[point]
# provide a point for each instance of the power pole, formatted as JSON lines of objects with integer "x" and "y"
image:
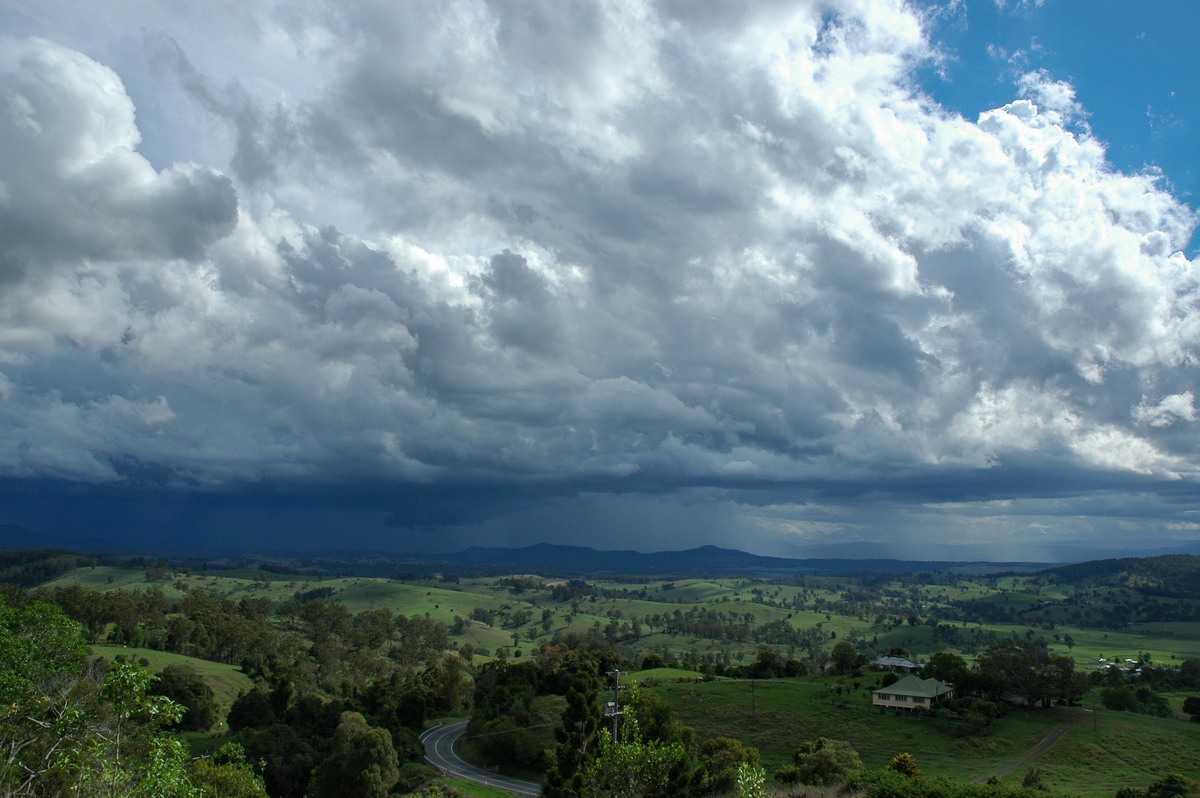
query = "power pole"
{"x": 613, "y": 708}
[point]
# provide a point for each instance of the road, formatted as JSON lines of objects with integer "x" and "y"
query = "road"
{"x": 439, "y": 752}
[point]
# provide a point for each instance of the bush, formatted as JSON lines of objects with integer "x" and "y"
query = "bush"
{"x": 183, "y": 685}
{"x": 825, "y": 762}
{"x": 989, "y": 709}
{"x": 906, "y": 764}
{"x": 413, "y": 777}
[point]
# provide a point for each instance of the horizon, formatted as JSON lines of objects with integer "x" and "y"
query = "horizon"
{"x": 900, "y": 277}
{"x": 29, "y": 540}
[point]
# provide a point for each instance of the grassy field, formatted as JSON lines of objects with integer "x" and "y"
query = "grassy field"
{"x": 226, "y": 681}
{"x": 777, "y": 715}
{"x": 1121, "y": 749}
{"x": 1097, "y": 756}
{"x": 809, "y": 602}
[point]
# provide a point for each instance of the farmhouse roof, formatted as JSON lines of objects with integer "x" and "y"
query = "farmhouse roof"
{"x": 915, "y": 685}
{"x": 895, "y": 662}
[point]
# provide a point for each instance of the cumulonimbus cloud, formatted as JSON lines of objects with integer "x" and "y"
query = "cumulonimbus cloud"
{"x": 644, "y": 241}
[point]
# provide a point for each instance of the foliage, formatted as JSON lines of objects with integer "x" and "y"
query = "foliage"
{"x": 1143, "y": 699}
{"x": 119, "y": 748}
{"x": 67, "y": 730}
{"x": 825, "y": 762}
{"x": 948, "y": 667}
{"x": 751, "y": 781}
{"x": 633, "y": 768}
{"x": 905, "y": 764}
{"x": 891, "y": 784}
{"x": 1027, "y": 672}
{"x": 226, "y": 774}
{"x": 1034, "y": 779}
{"x": 313, "y": 658}
{"x": 721, "y": 759}
{"x": 362, "y": 762}
{"x": 845, "y": 658}
{"x": 1170, "y": 786}
{"x": 183, "y": 685}
{"x": 577, "y": 740}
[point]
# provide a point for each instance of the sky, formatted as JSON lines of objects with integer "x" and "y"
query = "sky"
{"x": 848, "y": 278}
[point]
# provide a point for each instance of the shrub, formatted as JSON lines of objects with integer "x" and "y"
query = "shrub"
{"x": 906, "y": 764}
{"x": 825, "y": 762}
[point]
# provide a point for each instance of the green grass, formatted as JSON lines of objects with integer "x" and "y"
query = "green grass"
{"x": 1168, "y": 643}
{"x": 1121, "y": 750}
{"x": 473, "y": 789}
{"x": 226, "y": 681}
{"x": 777, "y": 715}
{"x": 661, "y": 675}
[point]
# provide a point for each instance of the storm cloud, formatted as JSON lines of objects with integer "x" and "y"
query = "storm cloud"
{"x": 533, "y": 270}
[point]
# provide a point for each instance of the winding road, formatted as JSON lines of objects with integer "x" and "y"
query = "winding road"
{"x": 439, "y": 752}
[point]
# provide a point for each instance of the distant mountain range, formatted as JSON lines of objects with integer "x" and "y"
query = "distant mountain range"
{"x": 705, "y": 561}
{"x": 561, "y": 559}
{"x": 702, "y": 561}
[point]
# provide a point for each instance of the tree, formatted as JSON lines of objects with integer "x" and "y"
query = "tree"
{"x": 227, "y": 774}
{"x": 633, "y": 768}
{"x": 948, "y": 667}
{"x": 183, "y": 685}
{"x": 1028, "y": 673}
{"x": 120, "y": 749}
{"x": 1119, "y": 698}
{"x": 845, "y": 658}
{"x": 720, "y": 758}
{"x": 576, "y": 740}
{"x": 362, "y": 762}
{"x": 41, "y": 665}
{"x": 825, "y": 762}
{"x": 252, "y": 710}
{"x": 766, "y": 665}
{"x": 1191, "y": 706}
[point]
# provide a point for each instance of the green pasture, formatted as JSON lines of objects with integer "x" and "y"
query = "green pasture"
{"x": 1167, "y": 642}
{"x": 102, "y": 577}
{"x": 778, "y": 715}
{"x": 1119, "y": 749}
{"x": 226, "y": 681}
{"x": 660, "y": 675}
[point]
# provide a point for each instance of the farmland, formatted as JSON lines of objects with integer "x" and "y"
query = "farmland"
{"x": 700, "y": 646}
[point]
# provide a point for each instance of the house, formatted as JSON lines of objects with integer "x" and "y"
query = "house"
{"x": 912, "y": 692}
{"x": 895, "y": 665}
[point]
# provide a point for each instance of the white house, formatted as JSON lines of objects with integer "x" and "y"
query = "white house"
{"x": 912, "y": 692}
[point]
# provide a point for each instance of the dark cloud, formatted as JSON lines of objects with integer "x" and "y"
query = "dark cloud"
{"x": 535, "y": 269}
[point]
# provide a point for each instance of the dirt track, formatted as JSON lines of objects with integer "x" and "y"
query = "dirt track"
{"x": 1033, "y": 752}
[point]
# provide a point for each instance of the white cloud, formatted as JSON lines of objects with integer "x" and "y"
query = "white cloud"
{"x": 637, "y": 241}
{"x": 1166, "y": 411}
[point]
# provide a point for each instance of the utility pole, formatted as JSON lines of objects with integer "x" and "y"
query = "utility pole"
{"x": 613, "y": 708}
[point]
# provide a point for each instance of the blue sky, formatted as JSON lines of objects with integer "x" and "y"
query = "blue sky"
{"x": 1130, "y": 64}
{"x": 854, "y": 277}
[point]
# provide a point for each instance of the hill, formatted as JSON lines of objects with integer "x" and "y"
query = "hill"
{"x": 1168, "y": 575}
{"x": 549, "y": 558}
